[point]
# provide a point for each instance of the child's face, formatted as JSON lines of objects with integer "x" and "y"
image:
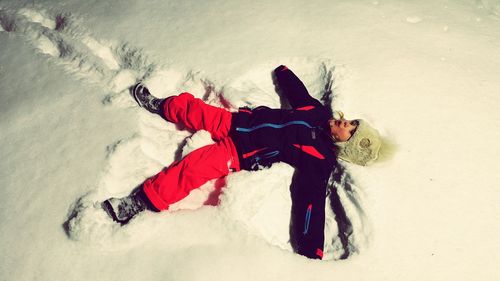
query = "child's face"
{"x": 342, "y": 129}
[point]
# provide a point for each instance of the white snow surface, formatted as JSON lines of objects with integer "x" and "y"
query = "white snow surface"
{"x": 425, "y": 73}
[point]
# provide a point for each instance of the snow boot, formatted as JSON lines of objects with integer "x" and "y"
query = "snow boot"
{"x": 122, "y": 210}
{"x": 144, "y": 98}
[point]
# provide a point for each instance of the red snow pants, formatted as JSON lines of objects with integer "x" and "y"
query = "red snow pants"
{"x": 201, "y": 165}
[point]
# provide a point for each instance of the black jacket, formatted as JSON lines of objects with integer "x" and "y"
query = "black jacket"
{"x": 300, "y": 137}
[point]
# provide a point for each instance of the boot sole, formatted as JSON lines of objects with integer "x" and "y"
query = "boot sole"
{"x": 137, "y": 88}
{"x": 111, "y": 213}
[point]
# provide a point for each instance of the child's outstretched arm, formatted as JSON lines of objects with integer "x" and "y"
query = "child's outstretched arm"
{"x": 308, "y": 210}
{"x": 293, "y": 89}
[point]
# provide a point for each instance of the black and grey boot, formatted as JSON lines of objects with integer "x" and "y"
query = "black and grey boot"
{"x": 144, "y": 98}
{"x": 122, "y": 210}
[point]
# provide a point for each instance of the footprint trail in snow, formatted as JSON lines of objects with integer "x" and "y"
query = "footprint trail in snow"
{"x": 114, "y": 67}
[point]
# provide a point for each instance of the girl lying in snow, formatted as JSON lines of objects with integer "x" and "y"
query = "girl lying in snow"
{"x": 306, "y": 137}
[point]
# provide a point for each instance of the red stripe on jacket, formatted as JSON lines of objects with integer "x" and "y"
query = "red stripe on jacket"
{"x": 305, "y": 108}
{"x": 311, "y": 150}
{"x": 248, "y": 154}
{"x": 319, "y": 253}
{"x": 245, "y": 110}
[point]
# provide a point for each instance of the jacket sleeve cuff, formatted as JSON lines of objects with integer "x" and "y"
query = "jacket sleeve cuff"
{"x": 281, "y": 68}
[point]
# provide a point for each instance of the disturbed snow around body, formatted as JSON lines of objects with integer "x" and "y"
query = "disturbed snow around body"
{"x": 424, "y": 73}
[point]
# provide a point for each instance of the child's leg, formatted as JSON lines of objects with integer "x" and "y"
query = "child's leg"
{"x": 176, "y": 181}
{"x": 195, "y": 114}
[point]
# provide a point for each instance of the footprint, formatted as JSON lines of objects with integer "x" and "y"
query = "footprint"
{"x": 79, "y": 51}
{"x": 101, "y": 51}
{"x": 116, "y": 67}
{"x": 46, "y": 46}
{"x": 135, "y": 59}
{"x": 36, "y": 16}
{"x": 7, "y": 21}
{"x": 123, "y": 80}
{"x": 62, "y": 21}
{"x": 67, "y": 51}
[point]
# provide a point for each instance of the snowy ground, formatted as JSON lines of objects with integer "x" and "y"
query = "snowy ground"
{"x": 425, "y": 73}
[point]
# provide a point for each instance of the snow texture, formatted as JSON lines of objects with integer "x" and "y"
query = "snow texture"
{"x": 425, "y": 74}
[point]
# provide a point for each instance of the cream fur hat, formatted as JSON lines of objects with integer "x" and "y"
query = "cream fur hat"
{"x": 363, "y": 147}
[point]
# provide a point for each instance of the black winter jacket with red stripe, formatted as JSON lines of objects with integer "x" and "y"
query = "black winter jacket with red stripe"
{"x": 300, "y": 137}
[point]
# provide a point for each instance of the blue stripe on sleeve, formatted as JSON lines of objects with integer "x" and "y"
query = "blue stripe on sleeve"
{"x": 274, "y": 126}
